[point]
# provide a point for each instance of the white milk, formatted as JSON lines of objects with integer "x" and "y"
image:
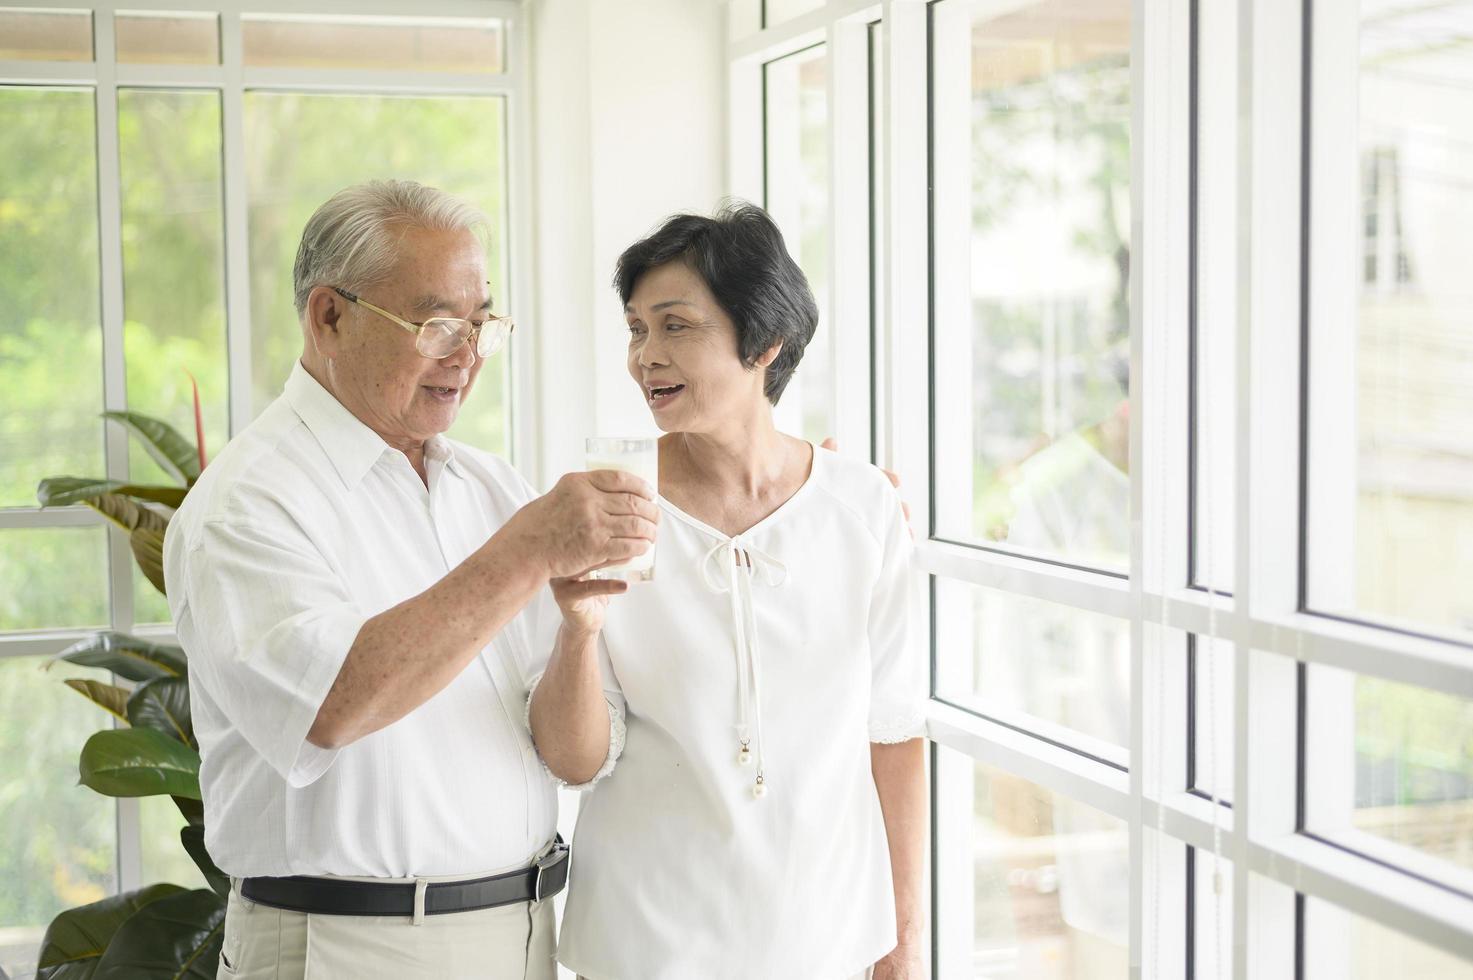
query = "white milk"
{"x": 628, "y": 456}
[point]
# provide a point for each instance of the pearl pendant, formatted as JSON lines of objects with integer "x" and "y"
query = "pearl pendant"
{"x": 744, "y": 757}
{"x": 759, "y": 788}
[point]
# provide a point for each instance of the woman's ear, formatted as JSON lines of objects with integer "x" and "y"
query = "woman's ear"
{"x": 769, "y": 355}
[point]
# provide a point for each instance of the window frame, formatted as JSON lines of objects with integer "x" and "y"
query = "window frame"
{"x": 1258, "y": 618}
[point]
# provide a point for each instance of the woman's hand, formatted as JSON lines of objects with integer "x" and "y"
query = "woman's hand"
{"x": 584, "y": 601}
{"x": 904, "y": 962}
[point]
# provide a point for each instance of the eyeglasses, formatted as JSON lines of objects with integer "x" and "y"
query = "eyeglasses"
{"x": 442, "y": 336}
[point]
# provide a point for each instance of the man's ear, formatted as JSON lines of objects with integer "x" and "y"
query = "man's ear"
{"x": 325, "y": 311}
{"x": 769, "y": 355}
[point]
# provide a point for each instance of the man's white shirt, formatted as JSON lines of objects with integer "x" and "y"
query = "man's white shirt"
{"x": 307, "y": 525}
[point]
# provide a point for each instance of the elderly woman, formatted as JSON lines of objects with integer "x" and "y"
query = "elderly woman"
{"x": 766, "y": 818}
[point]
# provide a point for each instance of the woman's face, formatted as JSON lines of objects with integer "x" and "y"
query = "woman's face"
{"x": 683, "y": 352}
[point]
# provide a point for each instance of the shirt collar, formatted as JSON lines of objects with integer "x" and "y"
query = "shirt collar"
{"x": 353, "y": 447}
{"x": 438, "y": 448}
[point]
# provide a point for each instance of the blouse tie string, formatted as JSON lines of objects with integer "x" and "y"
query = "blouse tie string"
{"x": 742, "y": 565}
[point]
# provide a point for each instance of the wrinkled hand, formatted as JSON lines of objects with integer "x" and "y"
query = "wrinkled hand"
{"x": 833, "y": 444}
{"x": 586, "y": 522}
{"x": 585, "y": 601}
{"x": 902, "y": 963}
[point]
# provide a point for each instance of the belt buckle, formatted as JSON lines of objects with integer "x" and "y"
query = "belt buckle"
{"x": 558, "y": 852}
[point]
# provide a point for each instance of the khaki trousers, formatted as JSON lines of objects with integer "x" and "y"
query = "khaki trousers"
{"x": 511, "y": 942}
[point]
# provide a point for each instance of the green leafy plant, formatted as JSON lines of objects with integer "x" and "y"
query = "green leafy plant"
{"x": 161, "y": 930}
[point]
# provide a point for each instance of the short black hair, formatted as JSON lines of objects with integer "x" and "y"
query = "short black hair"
{"x": 740, "y": 254}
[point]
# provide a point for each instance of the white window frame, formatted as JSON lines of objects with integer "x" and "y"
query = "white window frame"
{"x": 1260, "y": 625}
{"x": 232, "y": 79}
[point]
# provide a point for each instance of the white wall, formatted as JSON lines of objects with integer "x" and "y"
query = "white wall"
{"x": 628, "y": 117}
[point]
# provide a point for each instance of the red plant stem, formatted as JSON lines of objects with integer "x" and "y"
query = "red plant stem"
{"x": 199, "y": 423}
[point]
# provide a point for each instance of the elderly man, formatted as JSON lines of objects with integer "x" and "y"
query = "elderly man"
{"x": 363, "y": 603}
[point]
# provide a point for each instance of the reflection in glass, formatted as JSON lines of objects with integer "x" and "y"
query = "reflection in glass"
{"x": 1007, "y": 655}
{"x": 466, "y": 45}
{"x": 1339, "y": 945}
{"x": 1392, "y": 462}
{"x": 174, "y": 38}
{"x": 797, "y": 180}
{"x": 1052, "y": 884}
{"x": 60, "y": 846}
{"x": 50, "y": 319}
{"x": 1031, "y": 157}
{"x": 295, "y": 162}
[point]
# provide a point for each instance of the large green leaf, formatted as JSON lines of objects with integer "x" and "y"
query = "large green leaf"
{"x": 176, "y": 937}
{"x": 163, "y": 442}
{"x": 127, "y": 656}
{"x": 193, "y": 839}
{"x": 163, "y": 705}
{"x": 58, "y": 491}
{"x": 109, "y": 697}
{"x": 139, "y": 762}
{"x": 126, "y": 513}
{"x": 76, "y": 938}
{"x": 148, "y": 551}
{"x": 193, "y": 810}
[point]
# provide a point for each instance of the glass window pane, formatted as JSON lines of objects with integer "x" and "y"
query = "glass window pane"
{"x": 797, "y": 181}
{"x": 50, "y": 321}
{"x": 173, "y": 264}
{"x": 164, "y": 858}
{"x": 1053, "y": 670}
{"x": 1212, "y": 681}
{"x": 1214, "y": 313}
{"x": 1031, "y": 164}
{"x": 53, "y": 578}
{"x": 472, "y": 45}
{"x": 150, "y": 608}
{"x": 27, "y": 34}
{"x": 175, "y": 38}
{"x": 1339, "y": 945}
{"x": 60, "y": 848}
{"x": 1391, "y": 442}
{"x": 775, "y": 12}
{"x": 1052, "y": 884}
{"x": 295, "y": 162}
{"x": 1403, "y": 771}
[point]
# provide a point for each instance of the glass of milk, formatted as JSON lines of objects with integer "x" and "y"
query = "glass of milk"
{"x": 642, "y": 458}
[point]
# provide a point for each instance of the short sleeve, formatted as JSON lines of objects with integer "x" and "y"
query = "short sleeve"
{"x": 272, "y": 625}
{"x": 898, "y": 668}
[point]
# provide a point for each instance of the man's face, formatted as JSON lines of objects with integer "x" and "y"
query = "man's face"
{"x": 377, "y": 372}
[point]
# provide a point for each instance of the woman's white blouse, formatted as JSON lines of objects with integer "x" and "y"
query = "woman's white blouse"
{"x": 795, "y": 638}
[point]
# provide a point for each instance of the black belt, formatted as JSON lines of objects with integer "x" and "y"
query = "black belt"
{"x": 334, "y": 896}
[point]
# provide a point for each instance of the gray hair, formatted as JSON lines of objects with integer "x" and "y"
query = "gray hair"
{"x": 349, "y": 241}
